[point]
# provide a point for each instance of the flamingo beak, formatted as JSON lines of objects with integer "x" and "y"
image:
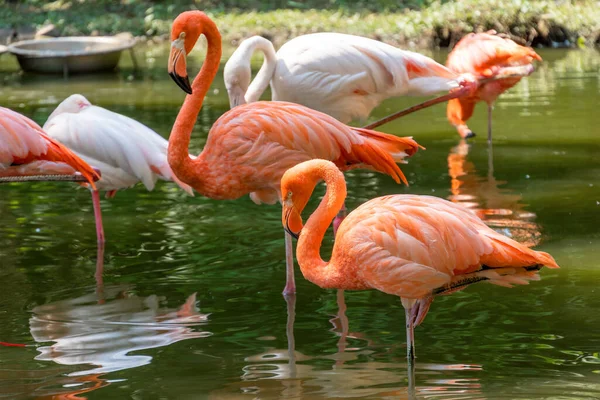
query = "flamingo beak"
{"x": 177, "y": 65}
{"x": 236, "y": 96}
{"x": 287, "y": 212}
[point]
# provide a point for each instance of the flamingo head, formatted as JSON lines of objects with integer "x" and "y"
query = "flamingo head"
{"x": 297, "y": 185}
{"x": 185, "y": 32}
{"x": 237, "y": 76}
{"x": 72, "y": 104}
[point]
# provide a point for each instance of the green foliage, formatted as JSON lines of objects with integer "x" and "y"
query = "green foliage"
{"x": 422, "y": 22}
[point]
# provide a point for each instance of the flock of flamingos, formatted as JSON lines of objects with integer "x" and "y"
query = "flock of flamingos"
{"x": 414, "y": 247}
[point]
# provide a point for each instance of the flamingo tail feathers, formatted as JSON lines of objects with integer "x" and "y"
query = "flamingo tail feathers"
{"x": 508, "y": 253}
{"x": 382, "y": 152}
{"x": 60, "y": 153}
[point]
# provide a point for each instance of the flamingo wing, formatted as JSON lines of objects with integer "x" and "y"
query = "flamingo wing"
{"x": 349, "y": 75}
{"x": 125, "y": 150}
{"x": 410, "y": 245}
{"x": 267, "y": 138}
{"x": 22, "y": 141}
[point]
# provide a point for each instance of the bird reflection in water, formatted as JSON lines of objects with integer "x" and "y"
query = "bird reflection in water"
{"x": 351, "y": 371}
{"x": 102, "y": 329}
{"x": 497, "y": 207}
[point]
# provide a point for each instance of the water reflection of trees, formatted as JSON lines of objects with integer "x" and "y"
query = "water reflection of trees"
{"x": 96, "y": 333}
{"x": 500, "y": 208}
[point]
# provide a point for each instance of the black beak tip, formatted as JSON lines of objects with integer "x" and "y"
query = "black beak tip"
{"x": 292, "y": 234}
{"x": 182, "y": 81}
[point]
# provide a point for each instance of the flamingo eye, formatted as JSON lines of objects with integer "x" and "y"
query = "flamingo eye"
{"x": 182, "y": 35}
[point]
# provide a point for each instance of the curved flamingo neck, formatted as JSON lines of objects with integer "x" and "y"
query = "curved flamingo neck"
{"x": 265, "y": 74}
{"x": 179, "y": 141}
{"x": 313, "y": 267}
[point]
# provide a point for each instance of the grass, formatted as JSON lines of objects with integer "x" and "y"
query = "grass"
{"x": 416, "y": 23}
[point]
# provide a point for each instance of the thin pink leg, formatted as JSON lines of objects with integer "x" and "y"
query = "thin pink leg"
{"x": 290, "y": 283}
{"x": 289, "y": 330}
{"x": 100, "y": 268}
{"x": 98, "y": 216}
{"x": 338, "y": 219}
{"x": 490, "y": 108}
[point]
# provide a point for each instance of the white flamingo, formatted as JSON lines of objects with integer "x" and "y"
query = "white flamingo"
{"x": 342, "y": 75}
{"x": 125, "y": 151}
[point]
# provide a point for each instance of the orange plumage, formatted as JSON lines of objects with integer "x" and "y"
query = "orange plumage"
{"x": 414, "y": 247}
{"x": 249, "y": 148}
{"x": 490, "y": 57}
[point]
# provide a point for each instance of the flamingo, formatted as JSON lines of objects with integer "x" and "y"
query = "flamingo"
{"x": 124, "y": 150}
{"x": 250, "y": 147}
{"x": 489, "y": 57}
{"x": 411, "y": 246}
{"x": 345, "y": 76}
{"x": 27, "y": 153}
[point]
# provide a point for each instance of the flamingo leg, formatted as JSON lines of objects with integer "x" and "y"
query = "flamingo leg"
{"x": 290, "y": 283}
{"x": 459, "y": 92}
{"x": 289, "y": 330}
{"x": 339, "y": 218}
{"x": 490, "y": 161}
{"x": 98, "y": 217}
{"x": 100, "y": 267}
{"x": 490, "y": 108}
{"x": 410, "y": 335}
{"x": 343, "y": 342}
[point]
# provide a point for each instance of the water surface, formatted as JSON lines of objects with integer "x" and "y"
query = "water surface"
{"x": 189, "y": 305}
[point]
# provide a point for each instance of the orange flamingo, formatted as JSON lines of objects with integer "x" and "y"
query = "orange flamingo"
{"x": 28, "y": 154}
{"x": 498, "y": 64}
{"x": 415, "y": 247}
{"x": 249, "y": 148}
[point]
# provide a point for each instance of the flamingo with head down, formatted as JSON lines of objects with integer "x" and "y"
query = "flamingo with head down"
{"x": 345, "y": 76}
{"x": 497, "y": 63}
{"x": 249, "y": 148}
{"x": 414, "y": 247}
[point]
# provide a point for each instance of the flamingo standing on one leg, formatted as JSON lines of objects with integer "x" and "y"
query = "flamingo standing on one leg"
{"x": 28, "y": 153}
{"x": 250, "y": 147}
{"x": 124, "y": 150}
{"x": 498, "y": 64}
{"x": 410, "y": 246}
{"x": 342, "y": 75}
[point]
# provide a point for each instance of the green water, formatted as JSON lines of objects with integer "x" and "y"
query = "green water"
{"x": 134, "y": 336}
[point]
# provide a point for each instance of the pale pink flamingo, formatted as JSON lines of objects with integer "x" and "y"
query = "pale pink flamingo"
{"x": 250, "y": 147}
{"x": 125, "y": 151}
{"x": 345, "y": 76}
{"x": 415, "y": 247}
{"x": 497, "y": 63}
{"x": 27, "y": 153}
